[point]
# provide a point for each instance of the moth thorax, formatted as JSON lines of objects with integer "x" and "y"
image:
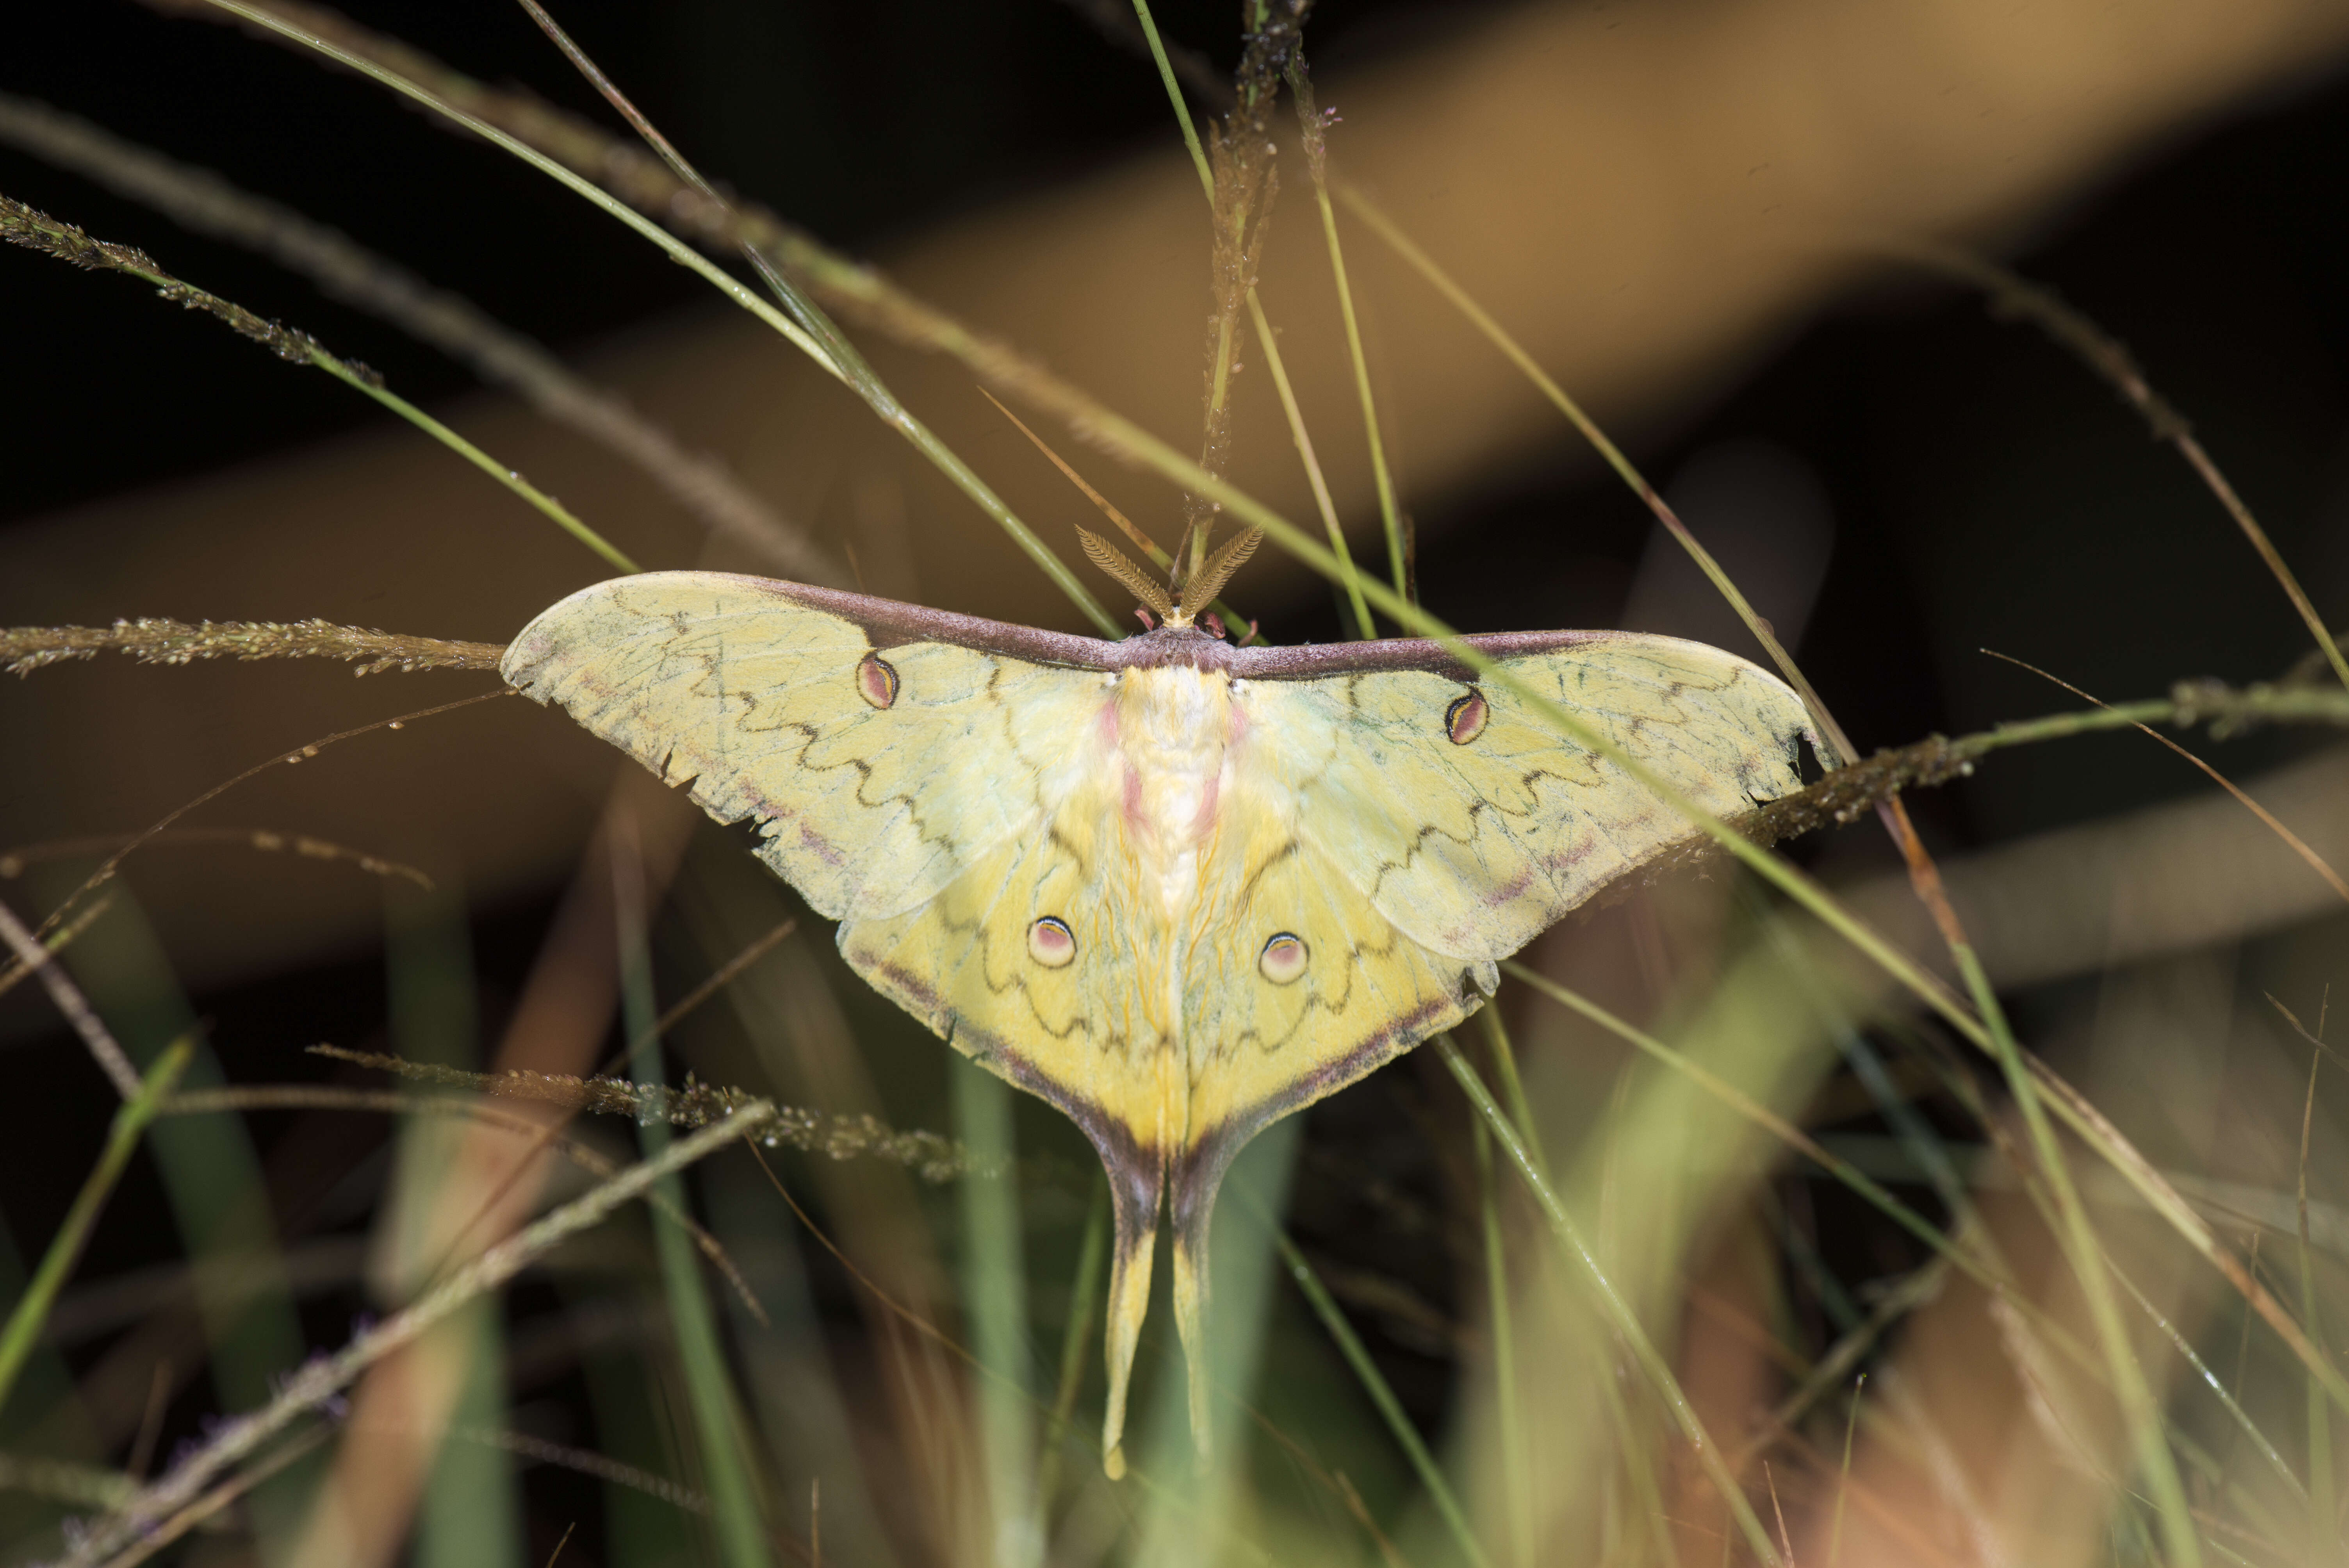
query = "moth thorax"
{"x": 1173, "y": 732}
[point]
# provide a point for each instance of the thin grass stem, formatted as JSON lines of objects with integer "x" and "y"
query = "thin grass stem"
{"x": 1762, "y": 1116}
{"x": 1843, "y": 1486}
{"x": 2235, "y": 1411}
{"x": 2298, "y": 845}
{"x": 1517, "y": 1484}
{"x": 733, "y": 1497}
{"x": 553, "y": 509}
{"x": 1374, "y": 1384}
{"x": 1315, "y": 132}
{"x": 2013, "y": 296}
{"x": 37, "y": 958}
{"x": 1425, "y": 265}
{"x": 59, "y": 938}
{"x": 319, "y": 1381}
{"x": 1620, "y": 1315}
{"x": 391, "y": 1102}
{"x": 1513, "y": 1086}
{"x": 212, "y": 1502}
{"x": 1174, "y": 97}
{"x": 22, "y": 225}
{"x": 1321, "y": 502}
{"x": 2323, "y": 1542}
{"x": 922, "y": 438}
{"x": 201, "y": 200}
{"x": 2138, "y": 1408}
{"x": 65, "y": 1249}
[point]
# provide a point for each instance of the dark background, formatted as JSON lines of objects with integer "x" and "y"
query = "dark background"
{"x": 1984, "y": 491}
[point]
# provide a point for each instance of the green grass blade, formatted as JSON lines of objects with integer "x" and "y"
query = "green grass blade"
{"x": 561, "y": 515}
{"x": 1459, "y": 298}
{"x": 718, "y": 1423}
{"x": 1076, "y": 1337}
{"x": 1620, "y": 1318}
{"x": 995, "y": 1293}
{"x": 1316, "y": 164}
{"x": 2138, "y": 1408}
{"x": 1516, "y": 1485}
{"x": 1374, "y": 1384}
{"x": 32, "y": 1308}
{"x": 23, "y": 225}
{"x": 892, "y": 413}
{"x": 1321, "y": 502}
{"x": 1174, "y": 97}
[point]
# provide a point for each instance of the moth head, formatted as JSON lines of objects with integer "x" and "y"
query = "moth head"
{"x": 1208, "y": 582}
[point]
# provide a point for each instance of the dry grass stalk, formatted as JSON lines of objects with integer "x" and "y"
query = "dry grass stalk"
{"x": 36, "y": 230}
{"x": 155, "y": 641}
{"x": 203, "y": 201}
{"x": 928, "y": 1155}
{"x": 318, "y": 1381}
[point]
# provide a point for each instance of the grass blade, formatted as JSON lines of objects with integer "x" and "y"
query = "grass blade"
{"x": 1374, "y": 1384}
{"x": 2077, "y": 1233}
{"x": 1315, "y": 130}
{"x": 32, "y": 1308}
{"x": 995, "y": 1295}
{"x": 1321, "y": 502}
{"x": 319, "y": 1380}
{"x": 1084, "y": 1303}
{"x": 351, "y": 51}
{"x": 20, "y": 224}
{"x": 733, "y": 1497}
{"x": 1619, "y": 1316}
{"x": 1516, "y": 1486}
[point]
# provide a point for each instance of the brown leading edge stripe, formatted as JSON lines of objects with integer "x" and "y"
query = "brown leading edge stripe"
{"x": 891, "y": 625}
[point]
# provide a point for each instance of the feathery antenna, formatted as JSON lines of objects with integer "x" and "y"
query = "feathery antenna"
{"x": 1208, "y": 582}
{"x": 1137, "y": 581}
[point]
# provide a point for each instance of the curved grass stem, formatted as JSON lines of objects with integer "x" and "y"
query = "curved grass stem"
{"x": 2016, "y": 297}
{"x": 1618, "y": 1312}
{"x": 1350, "y": 1345}
{"x": 317, "y": 1381}
{"x": 311, "y": 37}
{"x": 553, "y": 509}
{"x": 65, "y": 1249}
{"x": 1321, "y": 502}
{"x": 1315, "y": 132}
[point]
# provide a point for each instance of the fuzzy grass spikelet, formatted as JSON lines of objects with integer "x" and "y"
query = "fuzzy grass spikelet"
{"x": 154, "y": 640}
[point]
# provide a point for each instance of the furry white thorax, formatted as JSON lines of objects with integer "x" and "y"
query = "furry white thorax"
{"x": 1173, "y": 732}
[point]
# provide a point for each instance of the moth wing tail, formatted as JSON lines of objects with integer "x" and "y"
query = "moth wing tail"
{"x": 1135, "y": 1192}
{"x": 1197, "y": 1177}
{"x": 1190, "y": 1325}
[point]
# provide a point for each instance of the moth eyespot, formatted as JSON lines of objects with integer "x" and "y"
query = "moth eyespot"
{"x": 1050, "y": 942}
{"x": 876, "y": 680}
{"x": 1463, "y": 721}
{"x": 1283, "y": 959}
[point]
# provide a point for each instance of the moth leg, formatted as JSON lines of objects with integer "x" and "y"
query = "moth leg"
{"x": 1135, "y": 1186}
